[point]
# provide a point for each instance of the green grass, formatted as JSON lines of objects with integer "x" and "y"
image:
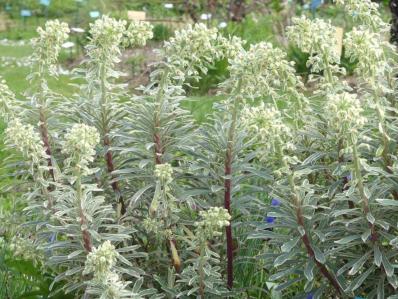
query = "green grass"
{"x": 201, "y": 106}
{"x": 17, "y": 51}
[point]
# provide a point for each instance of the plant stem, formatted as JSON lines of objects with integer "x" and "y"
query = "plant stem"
{"x": 87, "y": 243}
{"x": 159, "y": 151}
{"x": 228, "y": 192}
{"x": 44, "y": 135}
{"x": 201, "y": 271}
{"x": 107, "y": 143}
{"x": 361, "y": 188}
{"x": 43, "y": 129}
{"x": 345, "y": 179}
{"x": 300, "y": 221}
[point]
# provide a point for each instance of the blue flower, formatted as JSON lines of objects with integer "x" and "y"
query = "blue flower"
{"x": 310, "y": 296}
{"x": 270, "y": 219}
{"x": 275, "y": 202}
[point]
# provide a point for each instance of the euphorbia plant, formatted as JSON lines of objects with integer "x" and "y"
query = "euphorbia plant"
{"x": 326, "y": 155}
{"x": 332, "y": 230}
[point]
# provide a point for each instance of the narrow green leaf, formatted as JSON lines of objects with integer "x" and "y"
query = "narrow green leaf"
{"x": 387, "y": 202}
{"x": 309, "y": 268}
{"x": 377, "y": 256}
{"x": 319, "y": 256}
{"x": 288, "y": 246}
{"x": 347, "y": 240}
{"x": 359, "y": 264}
{"x": 357, "y": 282}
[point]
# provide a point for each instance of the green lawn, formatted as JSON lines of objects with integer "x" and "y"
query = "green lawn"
{"x": 15, "y": 78}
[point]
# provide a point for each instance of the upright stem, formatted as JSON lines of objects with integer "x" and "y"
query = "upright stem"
{"x": 159, "y": 151}
{"x": 45, "y": 138}
{"x": 43, "y": 129}
{"x": 345, "y": 179}
{"x": 201, "y": 271}
{"x": 87, "y": 242}
{"x": 228, "y": 192}
{"x": 361, "y": 189}
{"x": 328, "y": 71}
{"x": 300, "y": 221}
{"x": 107, "y": 143}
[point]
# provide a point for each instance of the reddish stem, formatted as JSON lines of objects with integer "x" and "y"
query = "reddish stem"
{"x": 87, "y": 243}
{"x": 158, "y": 148}
{"x": 345, "y": 179}
{"x": 227, "y": 205}
{"x": 111, "y": 168}
{"x": 322, "y": 268}
{"x": 44, "y": 136}
{"x": 172, "y": 243}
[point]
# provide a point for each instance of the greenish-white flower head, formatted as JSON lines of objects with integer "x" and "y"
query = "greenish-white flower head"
{"x": 101, "y": 261}
{"x": 109, "y": 36}
{"x": 48, "y": 45}
{"x": 193, "y": 49}
{"x": 115, "y": 288}
{"x": 213, "y": 221}
{"x": 106, "y": 37}
{"x": 79, "y": 145}
{"x": 262, "y": 71}
{"x": 344, "y": 112}
{"x": 366, "y": 11}
{"x": 25, "y": 249}
{"x": 164, "y": 173}
{"x": 26, "y": 140}
{"x": 138, "y": 33}
{"x": 266, "y": 123}
{"x": 153, "y": 225}
{"x": 317, "y": 38}
{"x": 231, "y": 46}
{"x": 107, "y": 31}
{"x": 7, "y": 100}
{"x": 368, "y": 49}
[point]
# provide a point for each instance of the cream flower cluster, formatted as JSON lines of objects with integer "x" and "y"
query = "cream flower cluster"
{"x": 164, "y": 172}
{"x": 191, "y": 50}
{"x": 7, "y": 100}
{"x": 115, "y": 288}
{"x": 138, "y": 33}
{"x": 262, "y": 71}
{"x": 366, "y": 11}
{"x": 80, "y": 143}
{"x": 109, "y": 35}
{"x": 106, "y": 283}
{"x": 368, "y": 49}
{"x": 344, "y": 112}
{"x": 107, "y": 32}
{"x": 24, "y": 248}
{"x": 48, "y": 44}
{"x": 101, "y": 261}
{"x": 267, "y": 124}
{"x": 213, "y": 221}
{"x": 153, "y": 225}
{"x": 231, "y": 46}
{"x": 106, "y": 38}
{"x": 317, "y": 38}
{"x": 26, "y": 140}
